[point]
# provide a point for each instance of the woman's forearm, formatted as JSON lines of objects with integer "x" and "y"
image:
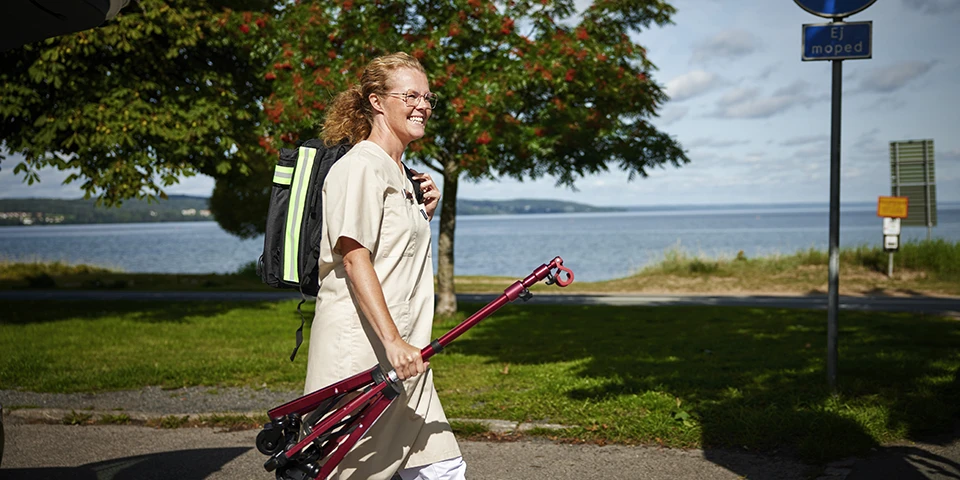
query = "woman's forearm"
{"x": 403, "y": 357}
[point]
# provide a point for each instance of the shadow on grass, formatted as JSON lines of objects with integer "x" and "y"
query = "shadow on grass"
{"x": 41, "y": 311}
{"x": 183, "y": 464}
{"x": 751, "y": 378}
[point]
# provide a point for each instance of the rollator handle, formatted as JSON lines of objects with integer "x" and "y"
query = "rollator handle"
{"x": 518, "y": 290}
{"x": 556, "y": 278}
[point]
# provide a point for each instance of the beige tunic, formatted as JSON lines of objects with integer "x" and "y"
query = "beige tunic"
{"x": 365, "y": 198}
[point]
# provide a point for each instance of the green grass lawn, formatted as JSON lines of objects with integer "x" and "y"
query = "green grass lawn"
{"x": 675, "y": 376}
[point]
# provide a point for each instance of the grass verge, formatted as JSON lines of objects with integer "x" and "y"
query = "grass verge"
{"x": 673, "y": 376}
{"x": 926, "y": 267}
{"x": 58, "y": 275}
{"x": 229, "y": 422}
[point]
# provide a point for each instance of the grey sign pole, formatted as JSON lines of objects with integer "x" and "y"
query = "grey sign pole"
{"x": 835, "y": 41}
{"x": 833, "y": 295}
{"x": 896, "y": 166}
{"x": 926, "y": 191}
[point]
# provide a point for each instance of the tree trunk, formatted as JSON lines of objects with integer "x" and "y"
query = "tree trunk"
{"x": 446, "y": 294}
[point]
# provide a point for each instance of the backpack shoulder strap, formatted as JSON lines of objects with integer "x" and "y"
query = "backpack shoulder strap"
{"x": 416, "y": 184}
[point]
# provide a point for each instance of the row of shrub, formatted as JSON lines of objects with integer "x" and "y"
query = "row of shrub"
{"x": 939, "y": 258}
{"x": 22, "y": 270}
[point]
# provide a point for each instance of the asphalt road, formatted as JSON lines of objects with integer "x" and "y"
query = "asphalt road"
{"x": 917, "y": 304}
{"x": 39, "y": 452}
{"x": 108, "y": 452}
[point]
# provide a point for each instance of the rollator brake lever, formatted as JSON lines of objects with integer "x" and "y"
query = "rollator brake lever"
{"x": 560, "y": 281}
{"x": 557, "y": 278}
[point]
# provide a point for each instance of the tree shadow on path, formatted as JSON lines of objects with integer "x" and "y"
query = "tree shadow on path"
{"x": 183, "y": 465}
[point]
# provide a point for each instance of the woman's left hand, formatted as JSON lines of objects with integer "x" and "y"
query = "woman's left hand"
{"x": 431, "y": 194}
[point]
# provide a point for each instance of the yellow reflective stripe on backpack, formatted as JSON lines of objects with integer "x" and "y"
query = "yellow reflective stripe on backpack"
{"x": 299, "y": 189}
{"x": 282, "y": 175}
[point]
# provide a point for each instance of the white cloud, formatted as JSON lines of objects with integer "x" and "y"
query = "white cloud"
{"x": 885, "y": 103}
{"x": 692, "y": 84}
{"x": 868, "y": 145}
{"x": 804, "y": 140}
{"x": 737, "y": 95}
{"x": 933, "y": 7}
{"x": 671, "y": 114}
{"x": 767, "y": 71}
{"x": 811, "y": 151}
{"x": 749, "y": 103}
{"x": 948, "y": 169}
{"x": 893, "y": 77}
{"x": 797, "y": 87}
{"x": 729, "y": 44}
{"x": 752, "y": 158}
{"x": 949, "y": 155}
{"x": 706, "y": 142}
{"x": 197, "y": 186}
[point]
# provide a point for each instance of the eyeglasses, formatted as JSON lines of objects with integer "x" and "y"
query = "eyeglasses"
{"x": 413, "y": 100}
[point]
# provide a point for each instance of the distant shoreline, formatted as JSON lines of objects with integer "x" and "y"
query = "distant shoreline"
{"x": 181, "y": 208}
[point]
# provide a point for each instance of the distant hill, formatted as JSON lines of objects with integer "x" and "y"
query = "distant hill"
{"x": 525, "y": 206}
{"x": 182, "y": 208}
{"x": 39, "y": 211}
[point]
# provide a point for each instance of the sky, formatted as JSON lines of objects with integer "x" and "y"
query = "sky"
{"x": 753, "y": 118}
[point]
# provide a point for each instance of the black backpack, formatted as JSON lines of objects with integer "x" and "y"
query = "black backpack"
{"x": 291, "y": 242}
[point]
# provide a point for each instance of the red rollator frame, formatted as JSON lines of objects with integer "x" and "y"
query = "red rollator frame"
{"x": 306, "y": 440}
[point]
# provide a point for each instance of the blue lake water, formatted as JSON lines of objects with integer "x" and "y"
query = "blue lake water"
{"x": 597, "y": 246}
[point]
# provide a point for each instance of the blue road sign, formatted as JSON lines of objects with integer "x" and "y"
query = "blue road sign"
{"x": 837, "y": 41}
{"x": 834, "y": 8}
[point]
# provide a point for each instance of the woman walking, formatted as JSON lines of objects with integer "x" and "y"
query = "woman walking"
{"x": 375, "y": 303}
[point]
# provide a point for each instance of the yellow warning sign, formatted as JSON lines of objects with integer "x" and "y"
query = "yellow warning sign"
{"x": 892, "y": 207}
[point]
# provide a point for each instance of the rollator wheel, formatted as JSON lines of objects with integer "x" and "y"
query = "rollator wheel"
{"x": 298, "y": 471}
{"x": 269, "y": 441}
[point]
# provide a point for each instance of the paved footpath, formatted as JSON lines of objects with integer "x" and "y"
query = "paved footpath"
{"x": 38, "y": 451}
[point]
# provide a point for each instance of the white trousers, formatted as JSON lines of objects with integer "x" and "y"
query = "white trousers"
{"x": 453, "y": 469}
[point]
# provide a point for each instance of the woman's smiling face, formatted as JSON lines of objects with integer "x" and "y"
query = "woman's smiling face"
{"x": 407, "y": 123}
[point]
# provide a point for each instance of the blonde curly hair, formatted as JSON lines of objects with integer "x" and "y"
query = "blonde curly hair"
{"x": 350, "y": 115}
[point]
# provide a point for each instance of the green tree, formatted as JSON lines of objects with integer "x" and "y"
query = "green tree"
{"x": 172, "y": 88}
{"x": 528, "y": 88}
{"x": 167, "y": 89}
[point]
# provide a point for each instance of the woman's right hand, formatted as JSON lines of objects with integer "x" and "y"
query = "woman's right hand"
{"x": 405, "y": 359}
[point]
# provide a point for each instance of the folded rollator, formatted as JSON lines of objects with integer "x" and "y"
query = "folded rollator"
{"x": 306, "y": 438}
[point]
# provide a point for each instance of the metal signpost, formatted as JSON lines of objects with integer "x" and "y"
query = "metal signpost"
{"x": 912, "y": 175}
{"x": 836, "y": 42}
